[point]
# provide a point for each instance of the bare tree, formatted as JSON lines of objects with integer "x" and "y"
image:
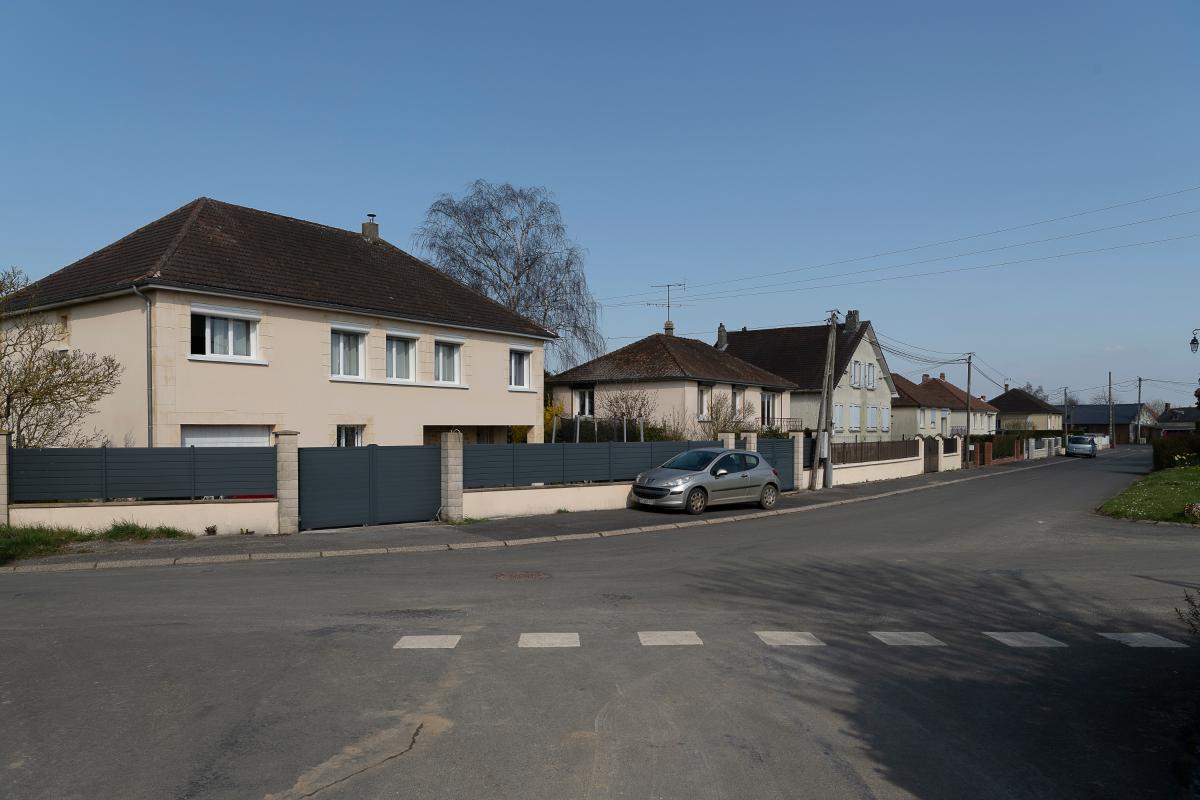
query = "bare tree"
{"x": 1036, "y": 391}
{"x": 1100, "y": 397}
{"x": 1157, "y": 405}
{"x": 627, "y": 403}
{"x": 510, "y": 244}
{"x": 676, "y": 424}
{"x": 722, "y": 417}
{"x": 46, "y": 388}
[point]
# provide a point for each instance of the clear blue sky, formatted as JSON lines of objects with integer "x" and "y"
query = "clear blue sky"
{"x": 689, "y": 143}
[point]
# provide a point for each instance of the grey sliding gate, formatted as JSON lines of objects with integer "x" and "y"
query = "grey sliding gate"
{"x": 372, "y": 485}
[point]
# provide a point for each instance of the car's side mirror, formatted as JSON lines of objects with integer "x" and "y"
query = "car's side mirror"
{"x": 720, "y": 472}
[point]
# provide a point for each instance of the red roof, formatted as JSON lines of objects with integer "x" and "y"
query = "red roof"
{"x": 935, "y": 393}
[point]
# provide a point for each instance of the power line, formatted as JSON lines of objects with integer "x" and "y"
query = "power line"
{"x": 939, "y": 243}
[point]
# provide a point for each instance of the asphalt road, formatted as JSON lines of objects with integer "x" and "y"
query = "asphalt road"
{"x": 280, "y": 680}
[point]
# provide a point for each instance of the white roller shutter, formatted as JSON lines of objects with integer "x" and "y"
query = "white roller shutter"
{"x": 226, "y": 435}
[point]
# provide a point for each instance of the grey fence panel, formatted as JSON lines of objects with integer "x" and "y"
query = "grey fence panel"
{"x": 588, "y": 462}
{"x": 662, "y": 451}
{"x": 779, "y": 454}
{"x": 630, "y": 459}
{"x": 488, "y": 465}
{"x": 810, "y": 447}
{"x": 56, "y": 474}
{"x": 407, "y": 483}
{"x": 335, "y": 488}
{"x": 538, "y": 463}
{"x": 234, "y": 471}
{"x": 149, "y": 472}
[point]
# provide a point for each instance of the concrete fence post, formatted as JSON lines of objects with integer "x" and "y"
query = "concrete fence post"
{"x": 728, "y": 440}
{"x": 452, "y": 477}
{"x": 287, "y": 481}
{"x": 751, "y": 440}
{"x": 798, "y": 460}
{"x": 5, "y": 454}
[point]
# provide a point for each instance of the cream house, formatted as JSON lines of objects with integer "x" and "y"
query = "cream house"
{"x": 1020, "y": 410}
{"x": 917, "y": 411}
{"x": 232, "y": 323}
{"x": 681, "y": 378}
{"x": 862, "y": 396}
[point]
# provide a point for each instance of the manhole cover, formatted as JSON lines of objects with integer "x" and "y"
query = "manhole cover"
{"x": 521, "y": 576}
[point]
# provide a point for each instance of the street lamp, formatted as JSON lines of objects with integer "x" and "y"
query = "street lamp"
{"x": 1195, "y": 341}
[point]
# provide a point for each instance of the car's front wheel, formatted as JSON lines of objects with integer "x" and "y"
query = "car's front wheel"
{"x": 697, "y": 501}
{"x": 769, "y": 496}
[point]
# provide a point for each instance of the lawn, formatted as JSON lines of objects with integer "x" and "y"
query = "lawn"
{"x": 1159, "y": 496}
{"x": 24, "y": 542}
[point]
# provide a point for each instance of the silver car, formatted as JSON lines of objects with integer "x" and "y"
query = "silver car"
{"x": 1081, "y": 446}
{"x": 696, "y": 479}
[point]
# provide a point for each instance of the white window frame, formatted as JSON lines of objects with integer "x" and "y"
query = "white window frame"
{"x": 870, "y": 376}
{"x": 767, "y": 408}
{"x": 210, "y": 312}
{"x": 855, "y": 417}
{"x": 703, "y": 401}
{"x": 346, "y": 330}
{"x": 457, "y": 344}
{"x": 837, "y": 418}
{"x": 526, "y": 354}
{"x": 358, "y": 431}
{"x": 855, "y": 374}
{"x": 411, "y": 339}
{"x": 584, "y": 397}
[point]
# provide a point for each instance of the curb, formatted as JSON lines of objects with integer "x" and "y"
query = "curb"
{"x": 498, "y": 544}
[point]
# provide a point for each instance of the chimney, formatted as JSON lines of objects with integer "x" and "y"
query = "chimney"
{"x": 722, "y": 337}
{"x": 925, "y": 378}
{"x": 371, "y": 229}
{"x": 1166, "y": 407}
{"x": 852, "y": 320}
{"x": 669, "y": 328}
{"x": 941, "y": 376}
{"x": 1006, "y": 387}
{"x": 983, "y": 397}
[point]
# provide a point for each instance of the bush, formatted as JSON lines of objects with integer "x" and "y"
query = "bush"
{"x": 1177, "y": 451}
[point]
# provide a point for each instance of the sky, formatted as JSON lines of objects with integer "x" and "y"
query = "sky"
{"x": 733, "y": 147}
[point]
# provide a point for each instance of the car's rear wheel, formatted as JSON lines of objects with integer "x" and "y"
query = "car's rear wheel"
{"x": 769, "y": 496}
{"x": 697, "y": 501}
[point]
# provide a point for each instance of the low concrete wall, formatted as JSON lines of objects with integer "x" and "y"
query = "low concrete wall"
{"x": 230, "y": 516}
{"x": 844, "y": 474}
{"x": 529, "y": 500}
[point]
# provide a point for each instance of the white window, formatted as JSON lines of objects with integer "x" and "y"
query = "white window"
{"x": 447, "y": 358}
{"x": 350, "y": 435}
{"x": 224, "y": 336}
{"x": 518, "y": 369}
{"x": 346, "y": 354}
{"x": 767, "y": 407}
{"x": 837, "y": 416}
{"x": 225, "y": 435}
{"x": 872, "y": 418}
{"x": 702, "y": 396}
{"x": 855, "y": 417}
{"x": 886, "y": 424}
{"x": 870, "y": 376}
{"x": 737, "y": 399}
{"x": 856, "y": 374}
{"x": 932, "y": 418}
{"x": 401, "y": 358}
{"x": 585, "y": 402}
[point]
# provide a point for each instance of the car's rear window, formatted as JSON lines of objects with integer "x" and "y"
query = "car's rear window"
{"x": 692, "y": 460}
{"x": 1079, "y": 440}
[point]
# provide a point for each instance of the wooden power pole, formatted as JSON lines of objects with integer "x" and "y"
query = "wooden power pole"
{"x": 822, "y": 447}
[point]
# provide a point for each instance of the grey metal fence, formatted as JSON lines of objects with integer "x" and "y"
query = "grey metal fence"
{"x": 863, "y": 452}
{"x": 779, "y": 454}
{"x": 487, "y": 465}
{"x": 142, "y": 473}
{"x": 949, "y": 446}
{"x": 373, "y": 485}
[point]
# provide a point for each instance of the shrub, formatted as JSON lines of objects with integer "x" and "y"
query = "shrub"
{"x": 1177, "y": 451}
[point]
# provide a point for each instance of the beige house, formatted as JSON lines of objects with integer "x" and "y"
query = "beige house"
{"x": 1021, "y": 411}
{"x": 232, "y": 323}
{"x": 862, "y": 397}
{"x": 946, "y": 407}
{"x": 683, "y": 381}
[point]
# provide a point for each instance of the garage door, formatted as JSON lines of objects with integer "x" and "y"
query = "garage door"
{"x": 226, "y": 435}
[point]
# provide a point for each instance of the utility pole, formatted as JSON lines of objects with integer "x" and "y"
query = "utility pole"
{"x": 1112, "y": 428}
{"x": 821, "y": 448}
{"x": 1138, "y": 413}
{"x": 967, "y": 463}
{"x": 1064, "y": 422}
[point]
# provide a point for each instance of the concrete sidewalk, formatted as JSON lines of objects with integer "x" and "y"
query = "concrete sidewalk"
{"x": 431, "y": 536}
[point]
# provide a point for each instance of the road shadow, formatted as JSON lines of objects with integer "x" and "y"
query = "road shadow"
{"x": 975, "y": 718}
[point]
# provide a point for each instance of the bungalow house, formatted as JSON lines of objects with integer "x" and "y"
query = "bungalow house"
{"x": 681, "y": 378}
{"x": 1179, "y": 421}
{"x": 1022, "y": 411}
{"x": 863, "y": 392}
{"x": 919, "y": 410}
{"x": 944, "y": 395}
{"x": 232, "y": 322}
{"x": 1093, "y": 418}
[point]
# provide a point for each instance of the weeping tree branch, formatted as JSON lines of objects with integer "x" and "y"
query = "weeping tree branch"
{"x": 510, "y": 244}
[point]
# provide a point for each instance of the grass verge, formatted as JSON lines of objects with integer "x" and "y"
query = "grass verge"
{"x": 1159, "y": 496}
{"x": 25, "y": 542}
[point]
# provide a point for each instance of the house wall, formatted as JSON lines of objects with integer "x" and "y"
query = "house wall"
{"x": 293, "y": 389}
{"x": 528, "y": 501}
{"x": 909, "y": 422}
{"x": 1030, "y": 422}
{"x": 982, "y": 423}
{"x": 806, "y": 405}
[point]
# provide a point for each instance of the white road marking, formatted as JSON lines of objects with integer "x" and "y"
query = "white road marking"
{"x": 441, "y": 642}
{"x": 907, "y": 639}
{"x": 1142, "y": 640}
{"x": 548, "y": 640}
{"x": 665, "y": 638}
{"x": 789, "y": 639}
{"x": 1023, "y": 639}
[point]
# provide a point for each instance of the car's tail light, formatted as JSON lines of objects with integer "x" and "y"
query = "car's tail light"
{"x": 775, "y": 471}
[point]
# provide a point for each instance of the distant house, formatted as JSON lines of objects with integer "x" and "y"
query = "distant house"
{"x": 682, "y": 377}
{"x": 1093, "y": 418}
{"x": 1178, "y": 421}
{"x": 951, "y": 404}
{"x": 863, "y": 393}
{"x": 1023, "y": 411}
{"x": 919, "y": 410}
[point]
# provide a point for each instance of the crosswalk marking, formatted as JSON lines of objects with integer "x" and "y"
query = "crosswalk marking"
{"x": 441, "y": 642}
{"x": 1023, "y": 639}
{"x": 548, "y": 640}
{"x": 789, "y": 639}
{"x": 907, "y": 639}
{"x": 668, "y": 638}
{"x": 1142, "y": 640}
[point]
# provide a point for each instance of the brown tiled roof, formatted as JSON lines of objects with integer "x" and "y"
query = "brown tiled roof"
{"x": 941, "y": 393}
{"x": 1019, "y": 401}
{"x": 218, "y": 246}
{"x": 797, "y": 354}
{"x": 661, "y": 357}
{"x": 913, "y": 395}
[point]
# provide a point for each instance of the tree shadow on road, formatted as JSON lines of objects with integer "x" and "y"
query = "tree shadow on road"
{"x": 974, "y": 718}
